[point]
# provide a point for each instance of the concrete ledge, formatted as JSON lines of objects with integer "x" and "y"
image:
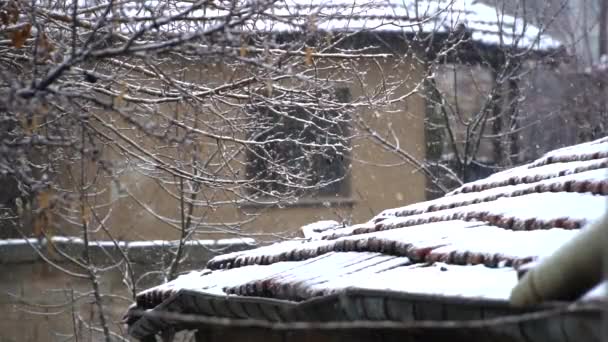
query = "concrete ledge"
{"x": 142, "y": 252}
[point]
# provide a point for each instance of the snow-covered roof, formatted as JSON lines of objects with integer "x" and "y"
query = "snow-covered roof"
{"x": 486, "y": 24}
{"x": 467, "y": 244}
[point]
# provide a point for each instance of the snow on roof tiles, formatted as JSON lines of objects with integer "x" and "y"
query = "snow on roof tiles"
{"x": 487, "y": 25}
{"x": 468, "y": 243}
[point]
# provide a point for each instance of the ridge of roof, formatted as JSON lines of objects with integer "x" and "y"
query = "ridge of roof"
{"x": 487, "y": 25}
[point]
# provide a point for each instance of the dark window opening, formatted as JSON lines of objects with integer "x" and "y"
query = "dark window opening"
{"x": 303, "y": 150}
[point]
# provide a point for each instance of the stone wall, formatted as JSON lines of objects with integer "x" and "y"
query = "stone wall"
{"x": 40, "y": 302}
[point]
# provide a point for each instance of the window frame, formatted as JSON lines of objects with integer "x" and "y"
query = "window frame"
{"x": 336, "y": 193}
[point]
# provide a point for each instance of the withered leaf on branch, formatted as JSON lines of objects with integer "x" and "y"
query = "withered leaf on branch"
{"x": 40, "y": 224}
{"x": 44, "y": 199}
{"x": 19, "y": 37}
{"x": 43, "y": 217}
{"x": 85, "y": 215}
{"x": 29, "y": 124}
{"x": 45, "y": 47}
{"x": 308, "y": 56}
{"x": 119, "y": 100}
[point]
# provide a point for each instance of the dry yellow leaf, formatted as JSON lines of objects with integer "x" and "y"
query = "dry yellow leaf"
{"x": 243, "y": 51}
{"x": 20, "y": 36}
{"x": 45, "y": 47}
{"x": 308, "y": 55}
{"x": 40, "y": 224}
{"x": 43, "y": 109}
{"x": 27, "y": 129}
{"x": 44, "y": 199}
{"x": 118, "y": 100}
{"x": 86, "y": 215}
{"x": 46, "y": 43}
{"x": 29, "y": 124}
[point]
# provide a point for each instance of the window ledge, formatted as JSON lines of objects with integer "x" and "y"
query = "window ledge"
{"x": 306, "y": 202}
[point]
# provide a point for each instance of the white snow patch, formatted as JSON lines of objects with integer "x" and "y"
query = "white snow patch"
{"x": 584, "y": 149}
{"x": 437, "y": 279}
{"x": 17, "y": 242}
{"x": 213, "y": 282}
{"x": 597, "y": 292}
{"x": 467, "y": 198}
{"x": 542, "y": 206}
{"x": 312, "y": 230}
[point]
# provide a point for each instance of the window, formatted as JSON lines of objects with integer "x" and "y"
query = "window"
{"x": 460, "y": 126}
{"x": 302, "y": 148}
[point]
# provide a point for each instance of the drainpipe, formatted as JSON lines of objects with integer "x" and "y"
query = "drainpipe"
{"x": 569, "y": 273}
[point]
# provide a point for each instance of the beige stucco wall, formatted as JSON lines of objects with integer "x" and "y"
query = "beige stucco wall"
{"x": 46, "y": 288}
{"x": 40, "y": 302}
{"x": 379, "y": 179}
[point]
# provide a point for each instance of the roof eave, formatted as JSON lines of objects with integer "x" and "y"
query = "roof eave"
{"x": 382, "y": 311}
